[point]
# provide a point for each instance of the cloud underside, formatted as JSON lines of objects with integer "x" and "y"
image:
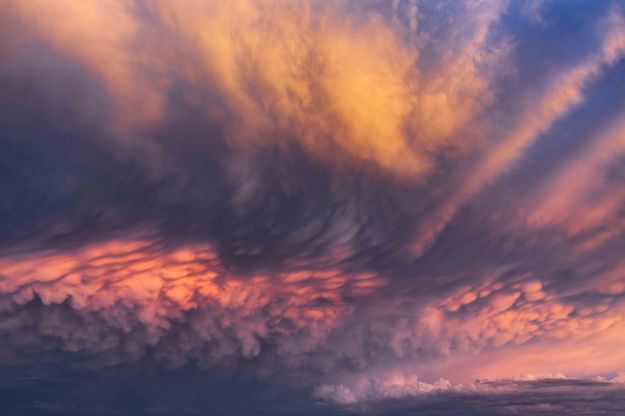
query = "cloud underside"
{"x": 345, "y": 194}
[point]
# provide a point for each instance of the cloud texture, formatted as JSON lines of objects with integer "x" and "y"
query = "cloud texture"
{"x": 372, "y": 200}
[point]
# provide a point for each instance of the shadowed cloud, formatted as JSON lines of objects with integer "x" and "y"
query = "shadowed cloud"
{"x": 378, "y": 204}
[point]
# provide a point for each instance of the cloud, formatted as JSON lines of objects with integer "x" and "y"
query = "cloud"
{"x": 404, "y": 393}
{"x": 337, "y": 83}
{"x": 317, "y": 192}
{"x": 126, "y": 301}
{"x": 120, "y": 299}
{"x": 550, "y": 104}
{"x": 397, "y": 386}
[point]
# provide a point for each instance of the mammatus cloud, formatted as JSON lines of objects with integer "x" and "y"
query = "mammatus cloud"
{"x": 126, "y": 298}
{"x": 119, "y": 302}
{"x": 374, "y": 200}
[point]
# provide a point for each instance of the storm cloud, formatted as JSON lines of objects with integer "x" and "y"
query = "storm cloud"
{"x": 373, "y": 202}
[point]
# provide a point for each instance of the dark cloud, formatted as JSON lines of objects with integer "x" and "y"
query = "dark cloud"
{"x": 316, "y": 194}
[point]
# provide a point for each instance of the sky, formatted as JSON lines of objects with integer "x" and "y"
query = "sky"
{"x": 315, "y": 207}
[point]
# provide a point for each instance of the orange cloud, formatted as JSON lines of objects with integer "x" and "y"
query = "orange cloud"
{"x": 160, "y": 286}
{"x": 562, "y": 95}
{"x": 337, "y": 84}
{"x": 578, "y": 198}
{"x": 102, "y": 36}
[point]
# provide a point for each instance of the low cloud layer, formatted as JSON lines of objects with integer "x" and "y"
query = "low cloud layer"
{"x": 402, "y": 389}
{"x": 337, "y": 195}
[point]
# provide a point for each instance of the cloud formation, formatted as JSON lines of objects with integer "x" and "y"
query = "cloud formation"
{"x": 370, "y": 199}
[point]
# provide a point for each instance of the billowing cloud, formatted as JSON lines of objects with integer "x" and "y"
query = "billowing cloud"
{"x": 506, "y": 397}
{"x": 370, "y": 200}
